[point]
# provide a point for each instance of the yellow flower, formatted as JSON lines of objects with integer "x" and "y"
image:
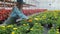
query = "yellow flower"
{"x": 9, "y": 26}
{"x": 44, "y": 17}
{"x": 30, "y": 20}
{"x": 3, "y": 26}
{"x": 13, "y": 33}
{"x": 52, "y": 27}
{"x": 57, "y": 32}
{"x": 24, "y": 24}
{"x": 31, "y": 29}
{"x": 55, "y": 17}
{"x": 57, "y": 29}
{"x": 15, "y": 28}
{"x": 27, "y": 24}
{"x": 36, "y": 23}
{"x": 36, "y": 18}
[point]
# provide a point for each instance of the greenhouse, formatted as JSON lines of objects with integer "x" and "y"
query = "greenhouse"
{"x": 29, "y": 16}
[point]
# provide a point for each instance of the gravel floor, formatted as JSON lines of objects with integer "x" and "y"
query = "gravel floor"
{"x": 46, "y": 30}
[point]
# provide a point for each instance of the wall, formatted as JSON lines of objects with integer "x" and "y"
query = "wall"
{"x": 45, "y": 4}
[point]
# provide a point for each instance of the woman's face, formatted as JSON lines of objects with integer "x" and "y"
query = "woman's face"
{"x": 20, "y": 6}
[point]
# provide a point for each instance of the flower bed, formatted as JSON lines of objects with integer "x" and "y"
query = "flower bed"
{"x": 4, "y": 13}
{"x": 35, "y": 24}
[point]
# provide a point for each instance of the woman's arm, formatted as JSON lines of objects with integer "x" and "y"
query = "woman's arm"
{"x": 20, "y": 13}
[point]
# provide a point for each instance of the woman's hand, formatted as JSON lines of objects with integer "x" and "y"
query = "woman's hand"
{"x": 18, "y": 20}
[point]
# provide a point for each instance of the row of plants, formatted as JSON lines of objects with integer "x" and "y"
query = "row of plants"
{"x": 25, "y": 29}
{"x": 22, "y": 29}
{"x": 35, "y": 24}
{"x": 52, "y": 18}
{"x": 48, "y": 19}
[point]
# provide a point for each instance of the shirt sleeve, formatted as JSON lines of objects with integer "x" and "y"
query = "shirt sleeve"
{"x": 13, "y": 13}
{"x": 20, "y": 14}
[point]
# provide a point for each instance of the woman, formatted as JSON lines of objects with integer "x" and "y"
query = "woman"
{"x": 16, "y": 13}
